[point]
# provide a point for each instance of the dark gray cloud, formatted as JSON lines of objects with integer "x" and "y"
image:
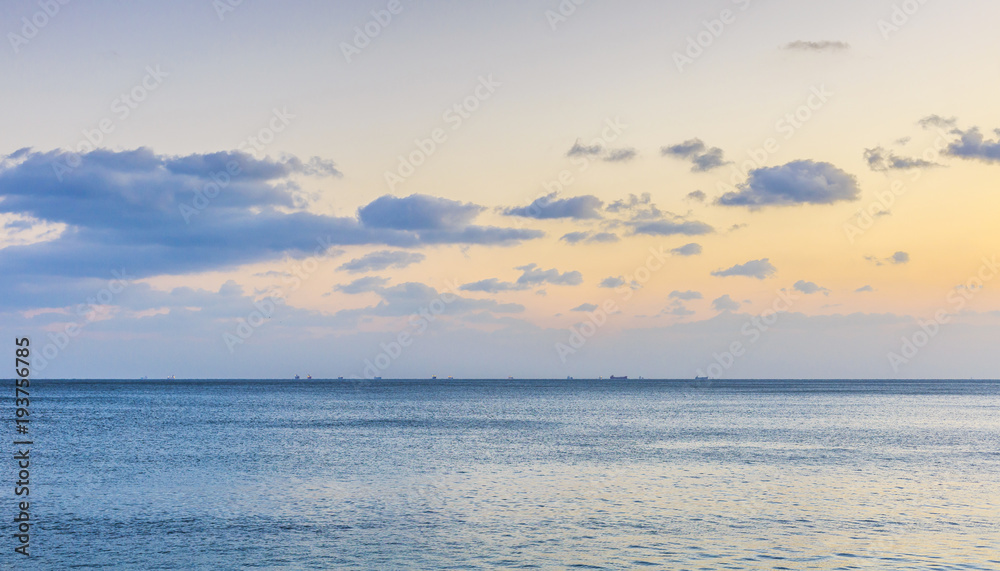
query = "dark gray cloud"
{"x": 598, "y": 151}
{"x": 531, "y": 276}
{"x": 159, "y": 214}
{"x": 702, "y": 158}
{"x": 382, "y": 260}
{"x": 972, "y": 145}
{"x": 760, "y": 269}
{"x": 821, "y": 46}
{"x": 363, "y": 285}
{"x": 810, "y": 288}
{"x": 580, "y": 150}
{"x": 882, "y": 160}
{"x": 585, "y": 307}
{"x": 685, "y": 295}
{"x": 691, "y": 249}
{"x": 798, "y": 182}
{"x": 631, "y": 204}
{"x": 577, "y": 207}
{"x": 725, "y": 303}
{"x": 864, "y": 289}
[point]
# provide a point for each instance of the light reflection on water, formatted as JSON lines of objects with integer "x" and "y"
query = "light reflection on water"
{"x": 519, "y": 474}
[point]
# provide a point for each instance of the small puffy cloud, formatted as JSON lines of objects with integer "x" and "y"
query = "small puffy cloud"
{"x": 697, "y": 196}
{"x": 363, "y": 285}
{"x": 881, "y": 160}
{"x": 759, "y": 269}
{"x": 631, "y": 204}
{"x": 491, "y": 285}
{"x": 702, "y": 158}
{"x": 725, "y": 303}
{"x": 585, "y": 307}
{"x": 938, "y": 122}
{"x": 691, "y": 249}
{"x": 620, "y": 155}
{"x": 685, "y": 295}
{"x": 677, "y": 310}
{"x": 580, "y": 150}
{"x": 810, "y": 288}
{"x": 893, "y": 260}
{"x": 798, "y": 182}
{"x": 972, "y": 145}
{"x": 611, "y": 283}
{"x": 549, "y": 206}
{"x": 864, "y": 289}
{"x": 417, "y": 212}
{"x": 822, "y": 46}
{"x": 382, "y": 260}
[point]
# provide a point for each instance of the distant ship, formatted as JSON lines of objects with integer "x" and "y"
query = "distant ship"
{"x": 309, "y": 376}
{"x": 296, "y": 377}
{"x": 569, "y": 378}
{"x": 614, "y": 378}
{"x": 701, "y": 378}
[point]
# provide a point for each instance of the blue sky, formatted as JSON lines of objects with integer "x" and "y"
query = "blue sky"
{"x": 540, "y": 189}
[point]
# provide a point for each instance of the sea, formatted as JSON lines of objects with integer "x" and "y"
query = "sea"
{"x": 510, "y": 474}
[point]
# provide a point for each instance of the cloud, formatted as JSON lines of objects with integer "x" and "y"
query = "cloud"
{"x": 411, "y": 297}
{"x": 697, "y": 196}
{"x": 725, "y": 303}
{"x": 363, "y": 285}
{"x": 611, "y": 283}
{"x": 685, "y": 295}
{"x": 702, "y": 158}
{"x": 881, "y": 160}
{"x": 546, "y": 207}
{"x": 938, "y": 122}
{"x": 759, "y": 269}
{"x": 822, "y": 46}
{"x": 864, "y": 289}
{"x": 677, "y": 309}
{"x": 418, "y": 212}
{"x": 691, "y": 249}
{"x": 810, "y": 288}
{"x": 672, "y": 227}
{"x": 895, "y": 259}
{"x": 151, "y": 214}
{"x": 620, "y": 155}
{"x": 531, "y": 276}
{"x": 382, "y": 260}
{"x": 972, "y": 145}
{"x": 798, "y": 182}
{"x": 579, "y": 150}
{"x": 591, "y": 237}
{"x": 633, "y": 203}
{"x": 585, "y": 307}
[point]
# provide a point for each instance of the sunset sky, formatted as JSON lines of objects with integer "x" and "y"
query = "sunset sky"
{"x": 734, "y": 188}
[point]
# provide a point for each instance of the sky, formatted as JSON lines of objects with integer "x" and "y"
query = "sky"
{"x": 540, "y": 189}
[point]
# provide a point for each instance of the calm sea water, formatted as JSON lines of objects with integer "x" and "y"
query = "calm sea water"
{"x": 514, "y": 474}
